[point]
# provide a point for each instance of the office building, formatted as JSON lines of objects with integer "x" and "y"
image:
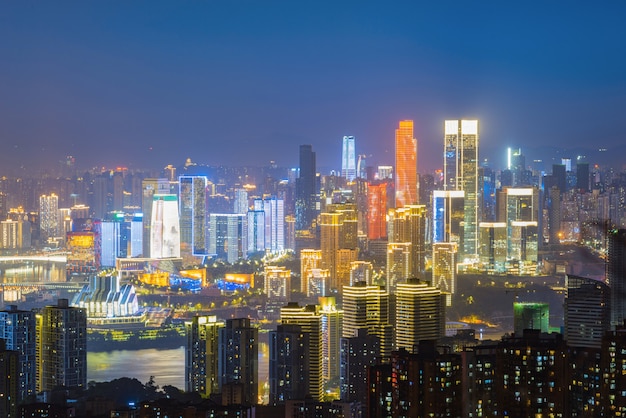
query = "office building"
{"x": 407, "y": 186}
{"x": 150, "y": 187}
{"x": 420, "y": 314}
{"x": 368, "y": 307}
{"x": 192, "y": 198}
{"x": 228, "y": 236}
{"x": 15, "y": 234}
{"x": 61, "y": 347}
{"x": 238, "y": 360}
{"x": 256, "y": 231}
{"x": 461, "y": 142}
{"x": 201, "y": 355}
{"x": 348, "y": 158}
{"x": 309, "y": 319}
{"x": 17, "y": 329}
{"x": 338, "y": 231}
{"x": 241, "y": 205}
{"x": 587, "y": 309}
{"x": 306, "y": 189}
{"x": 616, "y": 275}
{"x": 165, "y": 227}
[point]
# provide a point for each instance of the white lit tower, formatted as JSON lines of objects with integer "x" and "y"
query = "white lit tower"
{"x": 461, "y": 173}
{"x": 348, "y": 158}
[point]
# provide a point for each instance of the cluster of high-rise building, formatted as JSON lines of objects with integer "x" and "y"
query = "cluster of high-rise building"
{"x": 49, "y": 347}
{"x": 380, "y": 251}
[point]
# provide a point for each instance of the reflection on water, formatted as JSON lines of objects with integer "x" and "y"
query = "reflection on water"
{"x": 32, "y": 271}
{"x": 167, "y": 366}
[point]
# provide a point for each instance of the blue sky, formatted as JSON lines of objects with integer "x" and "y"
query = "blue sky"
{"x": 145, "y": 84}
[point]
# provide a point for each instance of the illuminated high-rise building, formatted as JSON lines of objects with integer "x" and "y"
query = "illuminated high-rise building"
{"x": 616, "y": 275}
{"x": 492, "y": 250}
{"x": 274, "y": 211}
{"x": 150, "y": 187}
{"x": 277, "y": 283}
{"x": 448, "y": 216}
{"x": 420, "y": 314}
{"x": 192, "y": 199}
{"x": 361, "y": 271}
{"x": 306, "y": 189}
{"x": 17, "y": 329}
{"x": 238, "y": 360}
{"x": 48, "y": 217}
{"x": 332, "y": 322}
{"x": 348, "y": 158}
{"x": 165, "y": 227}
{"x": 256, "y": 231}
{"x": 338, "y": 231}
{"x": 241, "y": 201}
{"x": 408, "y": 224}
{"x": 309, "y": 319}
{"x": 358, "y": 353}
{"x": 368, "y": 307}
{"x": 522, "y": 228}
{"x": 444, "y": 268}
{"x": 461, "y": 142}
{"x": 290, "y": 351}
{"x": 201, "y": 355}
{"x": 587, "y": 309}
{"x": 228, "y": 236}
{"x": 61, "y": 347}
{"x": 398, "y": 264}
{"x": 15, "y": 234}
{"x": 376, "y": 210}
{"x": 309, "y": 259}
{"x": 407, "y": 186}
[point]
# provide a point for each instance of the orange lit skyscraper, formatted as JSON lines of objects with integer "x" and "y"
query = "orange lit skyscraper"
{"x": 406, "y": 165}
{"x": 376, "y": 210}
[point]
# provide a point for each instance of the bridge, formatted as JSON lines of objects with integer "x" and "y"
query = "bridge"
{"x": 56, "y": 258}
{"x": 43, "y": 285}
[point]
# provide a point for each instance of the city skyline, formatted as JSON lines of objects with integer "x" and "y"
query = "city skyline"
{"x": 158, "y": 83}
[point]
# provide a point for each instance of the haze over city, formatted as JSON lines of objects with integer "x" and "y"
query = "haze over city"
{"x": 229, "y": 83}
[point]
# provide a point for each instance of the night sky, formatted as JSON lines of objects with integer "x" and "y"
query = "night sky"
{"x": 145, "y": 84}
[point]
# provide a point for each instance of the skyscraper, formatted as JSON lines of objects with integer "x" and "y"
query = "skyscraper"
{"x": 228, "y": 236}
{"x": 306, "y": 189}
{"x": 277, "y": 283}
{"x": 61, "y": 347}
{"x": 406, "y": 165}
{"x": 290, "y": 351}
{"x": 165, "y": 227}
{"x": 193, "y": 215}
{"x": 444, "y": 269}
{"x": 238, "y": 359}
{"x": 348, "y": 158}
{"x": 461, "y": 173}
{"x": 376, "y": 210}
{"x": 616, "y": 275}
{"x": 368, "y": 307}
{"x": 448, "y": 216}
{"x": 332, "y": 321}
{"x": 309, "y": 319}
{"x": 587, "y": 311}
{"x": 201, "y": 355}
{"x": 274, "y": 212}
{"x": 420, "y": 314}
{"x": 17, "y": 329}
{"x": 150, "y": 187}
{"x": 408, "y": 224}
{"x": 48, "y": 217}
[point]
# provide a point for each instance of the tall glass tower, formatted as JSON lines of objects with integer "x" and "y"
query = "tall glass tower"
{"x": 407, "y": 186}
{"x": 348, "y": 158}
{"x": 193, "y": 214}
{"x": 461, "y": 173}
